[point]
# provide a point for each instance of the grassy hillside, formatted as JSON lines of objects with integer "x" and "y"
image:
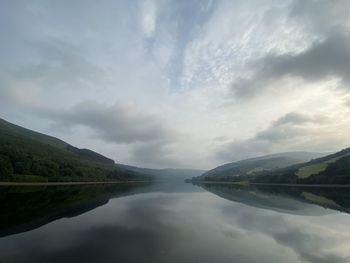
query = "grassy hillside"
{"x": 249, "y": 168}
{"x": 26, "y": 155}
{"x": 331, "y": 169}
{"x": 318, "y": 167}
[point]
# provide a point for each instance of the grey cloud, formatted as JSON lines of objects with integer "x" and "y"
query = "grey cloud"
{"x": 293, "y": 118}
{"x": 289, "y": 127}
{"x": 17, "y": 96}
{"x": 324, "y": 59}
{"x": 347, "y": 102}
{"x": 155, "y": 154}
{"x": 237, "y": 150}
{"x": 285, "y": 127}
{"x": 327, "y": 25}
{"x": 58, "y": 60}
{"x": 118, "y": 123}
{"x": 327, "y": 58}
{"x": 320, "y": 16}
{"x": 55, "y": 73}
{"x": 149, "y": 137}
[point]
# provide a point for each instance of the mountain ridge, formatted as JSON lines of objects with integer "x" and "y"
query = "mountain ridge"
{"x": 250, "y": 166}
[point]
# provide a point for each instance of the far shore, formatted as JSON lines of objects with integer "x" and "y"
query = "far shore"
{"x": 271, "y": 184}
{"x": 66, "y": 183}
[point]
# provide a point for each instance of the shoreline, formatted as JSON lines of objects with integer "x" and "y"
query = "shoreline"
{"x": 66, "y": 183}
{"x": 271, "y": 184}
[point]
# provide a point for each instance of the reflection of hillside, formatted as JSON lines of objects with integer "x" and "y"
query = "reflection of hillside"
{"x": 327, "y": 197}
{"x": 27, "y": 208}
{"x": 293, "y": 200}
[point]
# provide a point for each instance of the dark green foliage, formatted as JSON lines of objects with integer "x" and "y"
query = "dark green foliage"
{"x": 24, "y": 152}
{"x": 6, "y": 169}
{"x": 336, "y": 173}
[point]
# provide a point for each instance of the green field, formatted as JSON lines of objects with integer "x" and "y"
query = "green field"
{"x": 318, "y": 199}
{"x": 316, "y": 168}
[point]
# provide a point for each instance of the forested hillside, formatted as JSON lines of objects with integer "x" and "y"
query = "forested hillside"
{"x": 331, "y": 169}
{"x": 26, "y": 155}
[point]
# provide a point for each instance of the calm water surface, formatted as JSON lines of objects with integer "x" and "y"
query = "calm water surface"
{"x": 174, "y": 223}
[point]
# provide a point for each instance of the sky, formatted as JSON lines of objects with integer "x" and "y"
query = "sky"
{"x": 179, "y": 83}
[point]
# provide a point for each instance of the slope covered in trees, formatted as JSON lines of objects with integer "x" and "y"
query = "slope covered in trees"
{"x": 331, "y": 169}
{"x": 26, "y": 155}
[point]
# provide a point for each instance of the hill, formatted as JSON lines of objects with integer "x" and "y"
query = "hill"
{"x": 245, "y": 169}
{"x": 331, "y": 169}
{"x": 26, "y": 155}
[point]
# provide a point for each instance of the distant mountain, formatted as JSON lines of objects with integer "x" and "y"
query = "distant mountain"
{"x": 331, "y": 169}
{"x": 26, "y": 155}
{"x": 167, "y": 173}
{"x": 244, "y": 169}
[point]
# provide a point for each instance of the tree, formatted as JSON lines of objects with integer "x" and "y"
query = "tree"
{"x": 6, "y": 169}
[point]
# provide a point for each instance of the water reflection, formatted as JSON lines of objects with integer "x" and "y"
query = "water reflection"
{"x": 294, "y": 200}
{"x": 154, "y": 225}
{"x": 26, "y": 208}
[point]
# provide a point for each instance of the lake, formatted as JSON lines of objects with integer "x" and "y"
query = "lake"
{"x": 167, "y": 222}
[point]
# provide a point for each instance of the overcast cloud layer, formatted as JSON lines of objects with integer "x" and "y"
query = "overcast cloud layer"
{"x": 161, "y": 83}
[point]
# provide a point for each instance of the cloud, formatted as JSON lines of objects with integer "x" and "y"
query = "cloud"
{"x": 147, "y": 136}
{"x": 156, "y": 154}
{"x": 293, "y": 131}
{"x": 286, "y": 127}
{"x": 156, "y": 69}
{"x": 322, "y": 30}
{"x": 58, "y": 59}
{"x": 309, "y": 245}
{"x": 293, "y": 118}
{"x": 118, "y": 123}
{"x": 347, "y": 101}
{"x": 148, "y": 17}
{"x": 323, "y": 60}
{"x": 320, "y": 17}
